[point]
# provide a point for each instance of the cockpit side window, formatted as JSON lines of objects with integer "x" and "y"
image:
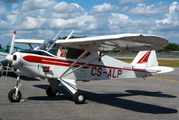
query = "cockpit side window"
{"x": 73, "y": 53}
{"x": 49, "y": 46}
{"x": 46, "y": 45}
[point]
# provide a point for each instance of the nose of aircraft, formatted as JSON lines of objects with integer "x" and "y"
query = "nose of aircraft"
{"x": 14, "y": 59}
{"x": 9, "y": 58}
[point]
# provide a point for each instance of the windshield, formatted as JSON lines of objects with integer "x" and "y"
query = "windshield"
{"x": 49, "y": 46}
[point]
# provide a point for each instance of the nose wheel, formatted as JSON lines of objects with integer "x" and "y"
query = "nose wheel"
{"x": 13, "y": 97}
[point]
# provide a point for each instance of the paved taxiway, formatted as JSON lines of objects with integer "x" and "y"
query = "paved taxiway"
{"x": 125, "y": 99}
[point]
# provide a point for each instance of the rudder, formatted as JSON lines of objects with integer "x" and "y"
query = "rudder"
{"x": 145, "y": 59}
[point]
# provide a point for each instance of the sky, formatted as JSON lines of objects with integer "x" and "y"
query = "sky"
{"x": 43, "y": 19}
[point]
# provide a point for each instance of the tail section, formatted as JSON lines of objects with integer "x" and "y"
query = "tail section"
{"x": 147, "y": 61}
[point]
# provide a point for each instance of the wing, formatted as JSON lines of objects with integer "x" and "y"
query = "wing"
{"x": 29, "y": 41}
{"x": 123, "y": 42}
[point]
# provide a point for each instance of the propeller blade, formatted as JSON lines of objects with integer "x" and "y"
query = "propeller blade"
{"x": 9, "y": 56}
{"x": 12, "y": 43}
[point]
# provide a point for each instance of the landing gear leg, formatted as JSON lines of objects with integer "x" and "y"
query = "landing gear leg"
{"x": 52, "y": 89}
{"x": 15, "y": 95}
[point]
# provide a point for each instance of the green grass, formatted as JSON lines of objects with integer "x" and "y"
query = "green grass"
{"x": 174, "y": 63}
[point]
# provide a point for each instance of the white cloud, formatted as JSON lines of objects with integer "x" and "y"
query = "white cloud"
{"x": 150, "y": 32}
{"x": 32, "y": 23}
{"x": 43, "y": 20}
{"x": 177, "y": 7}
{"x": 106, "y": 7}
{"x": 125, "y": 24}
{"x": 171, "y": 17}
{"x": 65, "y": 7}
{"x": 142, "y": 9}
{"x": 29, "y": 5}
{"x": 131, "y": 1}
{"x": 2, "y": 9}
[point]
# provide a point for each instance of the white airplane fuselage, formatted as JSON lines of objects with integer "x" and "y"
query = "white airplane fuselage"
{"x": 50, "y": 67}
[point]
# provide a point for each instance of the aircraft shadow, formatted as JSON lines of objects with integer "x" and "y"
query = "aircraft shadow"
{"x": 113, "y": 99}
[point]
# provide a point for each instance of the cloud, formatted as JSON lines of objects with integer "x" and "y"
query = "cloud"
{"x": 177, "y": 7}
{"x": 30, "y": 5}
{"x": 171, "y": 18}
{"x": 142, "y": 9}
{"x": 2, "y": 9}
{"x": 169, "y": 25}
{"x": 126, "y": 2}
{"x": 43, "y": 20}
{"x": 106, "y": 7}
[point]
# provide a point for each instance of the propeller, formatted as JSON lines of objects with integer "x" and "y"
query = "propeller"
{"x": 9, "y": 57}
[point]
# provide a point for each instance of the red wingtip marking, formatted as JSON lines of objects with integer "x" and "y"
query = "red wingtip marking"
{"x": 14, "y": 32}
{"x": 144, "y": 59}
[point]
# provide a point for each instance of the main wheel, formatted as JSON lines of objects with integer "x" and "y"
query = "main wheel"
{"x": 49, "y": 92}
{"x": 79, "y": 97}
{"x": 12, "y": 96}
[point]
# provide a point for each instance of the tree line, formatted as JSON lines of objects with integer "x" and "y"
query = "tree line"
{"x": 170, "y": 47}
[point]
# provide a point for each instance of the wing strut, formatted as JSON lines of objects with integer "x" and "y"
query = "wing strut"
{"x": 79, "y": 58}
{"x": 64, "y": 74}
{"x": 31, "y": 47}
{"x": 70, "y": 84}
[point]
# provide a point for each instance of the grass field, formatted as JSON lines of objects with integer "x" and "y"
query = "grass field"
{"x": 174, "y": 63}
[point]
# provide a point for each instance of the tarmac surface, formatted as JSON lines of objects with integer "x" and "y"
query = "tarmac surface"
{"x": 155, "y": 98}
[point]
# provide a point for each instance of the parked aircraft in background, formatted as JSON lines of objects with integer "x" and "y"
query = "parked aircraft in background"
{"x": 67, "y": 61}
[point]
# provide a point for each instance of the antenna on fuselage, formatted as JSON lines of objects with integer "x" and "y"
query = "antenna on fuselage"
{"x": 58, "y": 34}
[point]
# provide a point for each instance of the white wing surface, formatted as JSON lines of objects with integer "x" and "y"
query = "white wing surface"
{"x": 29, "y": 41}
{"x": 123, "y": 42}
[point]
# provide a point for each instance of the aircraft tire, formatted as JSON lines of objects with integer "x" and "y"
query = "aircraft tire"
{"x": 12, "y": 97}
{"x": 79, "y": 97}
{"x": 49, "y": 92}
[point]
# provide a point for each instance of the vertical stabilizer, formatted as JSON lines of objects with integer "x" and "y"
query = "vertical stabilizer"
{"x": 145, "y": 59}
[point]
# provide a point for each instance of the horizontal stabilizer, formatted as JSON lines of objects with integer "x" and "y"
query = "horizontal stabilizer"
{"x": 147, "y": 61}
{"x": 163, "y": 69}
{"x": 157, "y": 69}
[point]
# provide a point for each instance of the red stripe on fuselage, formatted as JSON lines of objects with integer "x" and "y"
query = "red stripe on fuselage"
{"x": 66, "y": 63}
{"x": 51, "y": 61}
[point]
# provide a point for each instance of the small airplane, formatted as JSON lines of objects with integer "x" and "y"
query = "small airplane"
{"x": 85, "y": 59}
{"x": 3, "y": 53}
